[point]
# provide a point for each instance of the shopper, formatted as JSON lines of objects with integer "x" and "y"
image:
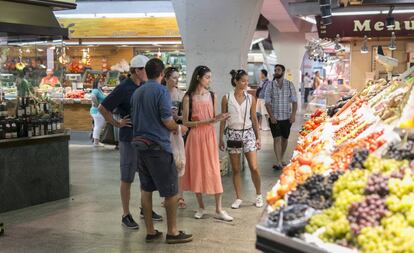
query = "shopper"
{"x": 317, "y": 80}
{"x": 97, "y": 97}
{"x": 308, "y": 85}
{"x": 260, "y": 94}
{"x": 202, "y": 168}
{"x": 152, "y": 123}
{"x": 242, "y": 133}
{"x": 281, "y": 103}
{"x": 170, "y": 80}
{"x": 120, "y": 99}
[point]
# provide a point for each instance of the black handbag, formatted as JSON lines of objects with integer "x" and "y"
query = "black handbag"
{"x": 108, "y": 135}
{"x": 239, "y": 143}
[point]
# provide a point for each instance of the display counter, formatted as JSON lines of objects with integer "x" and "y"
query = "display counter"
{"x": 76, "y": 113}
{"x": 33, "y": 170}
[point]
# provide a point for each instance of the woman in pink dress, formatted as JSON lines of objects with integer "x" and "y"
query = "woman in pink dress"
{"x": 202, "y": 169}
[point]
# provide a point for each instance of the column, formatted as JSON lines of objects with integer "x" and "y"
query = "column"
{"x": 289, "y": 49}
{"x": 217, "y": 34}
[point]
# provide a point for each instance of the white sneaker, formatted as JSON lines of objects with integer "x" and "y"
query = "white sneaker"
{"x": 259, "y": 201}
{"x": 99, "y": 145}
{"x": 223, "y": 215}
{"x": 199, "y": 214}
{"x": 236, "y": 204}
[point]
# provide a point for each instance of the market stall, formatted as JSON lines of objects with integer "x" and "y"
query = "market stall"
{"x": 350, "y": 184}
{"x": 34, "y": 156}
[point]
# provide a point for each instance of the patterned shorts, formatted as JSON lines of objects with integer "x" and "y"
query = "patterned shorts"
{"x": 249, "y": 140}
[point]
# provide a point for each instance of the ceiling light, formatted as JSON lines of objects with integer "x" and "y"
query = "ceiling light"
{"x": 353, "y": 13}
{"x": 392, "y": 46}
{"x": 364, "y": 48}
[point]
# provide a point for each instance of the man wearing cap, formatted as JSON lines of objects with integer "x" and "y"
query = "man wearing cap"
{"x": 120, "y": 98}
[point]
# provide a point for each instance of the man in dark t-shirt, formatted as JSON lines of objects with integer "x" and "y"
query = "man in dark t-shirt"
{"x": 120, "y": 98}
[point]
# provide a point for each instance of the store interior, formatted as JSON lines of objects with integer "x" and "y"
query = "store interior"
{"x": 348, "y": 185}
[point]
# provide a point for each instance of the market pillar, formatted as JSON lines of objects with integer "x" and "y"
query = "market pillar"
{"x": 289, "y": 49}
{"x": 217, "y": 34}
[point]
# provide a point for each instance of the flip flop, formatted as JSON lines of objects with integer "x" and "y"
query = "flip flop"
{"x": 181, "y": 204}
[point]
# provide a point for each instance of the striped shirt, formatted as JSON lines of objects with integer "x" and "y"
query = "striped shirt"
{"x": 281, "y": 99}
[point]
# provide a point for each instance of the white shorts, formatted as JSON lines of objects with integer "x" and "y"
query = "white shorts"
{"x": 261, "y": 107}
{"x": 248, "y": 137}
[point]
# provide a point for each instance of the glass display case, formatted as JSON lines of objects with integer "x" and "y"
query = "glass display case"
{"x": 30, "y": 78}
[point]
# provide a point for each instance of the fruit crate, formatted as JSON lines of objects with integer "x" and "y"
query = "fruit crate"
{"x": 91, "y": 75}
{"x": 112, "y": 78}
{"x": 269, "y": 240}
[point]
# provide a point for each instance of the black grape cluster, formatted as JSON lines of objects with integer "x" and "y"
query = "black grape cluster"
{"x": 358, "y": 158}
{"x": 315, "y": 192}
{"x": 366, "y": 213}
{"x": 377, "y": 184}
{"x": 401, "y": 151}
{"x": 339, "y": 104}
{"x": 288, "y": 215}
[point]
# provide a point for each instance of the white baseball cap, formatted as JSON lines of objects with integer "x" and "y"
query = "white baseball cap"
{"x": 139, "y": 61}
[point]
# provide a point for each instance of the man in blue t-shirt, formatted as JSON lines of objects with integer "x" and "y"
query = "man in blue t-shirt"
{"x": 119, "y": 99}
{"x": 152, "y": 124}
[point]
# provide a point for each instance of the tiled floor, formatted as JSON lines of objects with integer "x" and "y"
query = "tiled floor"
{"x": 90, "y": 220}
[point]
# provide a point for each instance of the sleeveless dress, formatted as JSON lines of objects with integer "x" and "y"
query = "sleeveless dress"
{"x": 202, "y": 168}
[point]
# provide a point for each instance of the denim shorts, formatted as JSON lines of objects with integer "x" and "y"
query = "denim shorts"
{"x": 157, "y": 172}
{"x": 128, "y": 161}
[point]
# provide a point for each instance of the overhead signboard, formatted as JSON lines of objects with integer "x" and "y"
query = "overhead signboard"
{"x": 120, "y": 27}
{"x": 369, "y": 25}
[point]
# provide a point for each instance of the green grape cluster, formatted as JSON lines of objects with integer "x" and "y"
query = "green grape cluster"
{"x": 401, "y": 187}
{"x": 393, "y": 236}
{"x": 335, "y": 223}
{"x": 353, "y": 181}
{"x": 375, "y": 164}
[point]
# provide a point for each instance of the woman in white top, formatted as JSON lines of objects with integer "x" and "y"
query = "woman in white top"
{"x": 242, "y": 133}
{"x": 171, "y": 76}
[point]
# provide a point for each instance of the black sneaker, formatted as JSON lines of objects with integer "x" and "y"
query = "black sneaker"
{"x": 129, "y": 222}
{"x": 155, "y": 216}
{"x": 154, "y": 237}
{"x": 180, "y": 238}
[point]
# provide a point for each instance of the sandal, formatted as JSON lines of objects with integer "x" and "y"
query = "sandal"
{"x": 181, "y": 204}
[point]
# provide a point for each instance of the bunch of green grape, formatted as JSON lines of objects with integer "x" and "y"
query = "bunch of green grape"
{"x": 375, "y": 164}
{"x": 349, "y": 188}
{"x": 393, "y": 236}
{"x": 335, "y": 223}
{"x": 353, "y": 181}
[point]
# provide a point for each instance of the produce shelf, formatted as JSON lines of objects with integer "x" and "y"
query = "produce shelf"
{"x": 270, "y": 241}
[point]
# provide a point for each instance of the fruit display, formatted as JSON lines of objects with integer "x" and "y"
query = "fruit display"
{"x": 351, "y": 177}
{"x": 90, "y": 77}
{"x": 75, "y": 94}
{"x": 316, "y": 119}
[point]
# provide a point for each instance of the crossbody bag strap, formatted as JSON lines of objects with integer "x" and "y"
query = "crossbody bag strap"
{"x": 190, "y": 106}
{"x": 245, "y": 114}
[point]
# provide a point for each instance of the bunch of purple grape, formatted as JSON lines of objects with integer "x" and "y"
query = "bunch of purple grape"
{"x": 366, "y": 213}
{"x": 358, "y": 158}
{"x": 398, "y": 173}
{"x": 315, "y": 192}
{"x": 377, "y": 184}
